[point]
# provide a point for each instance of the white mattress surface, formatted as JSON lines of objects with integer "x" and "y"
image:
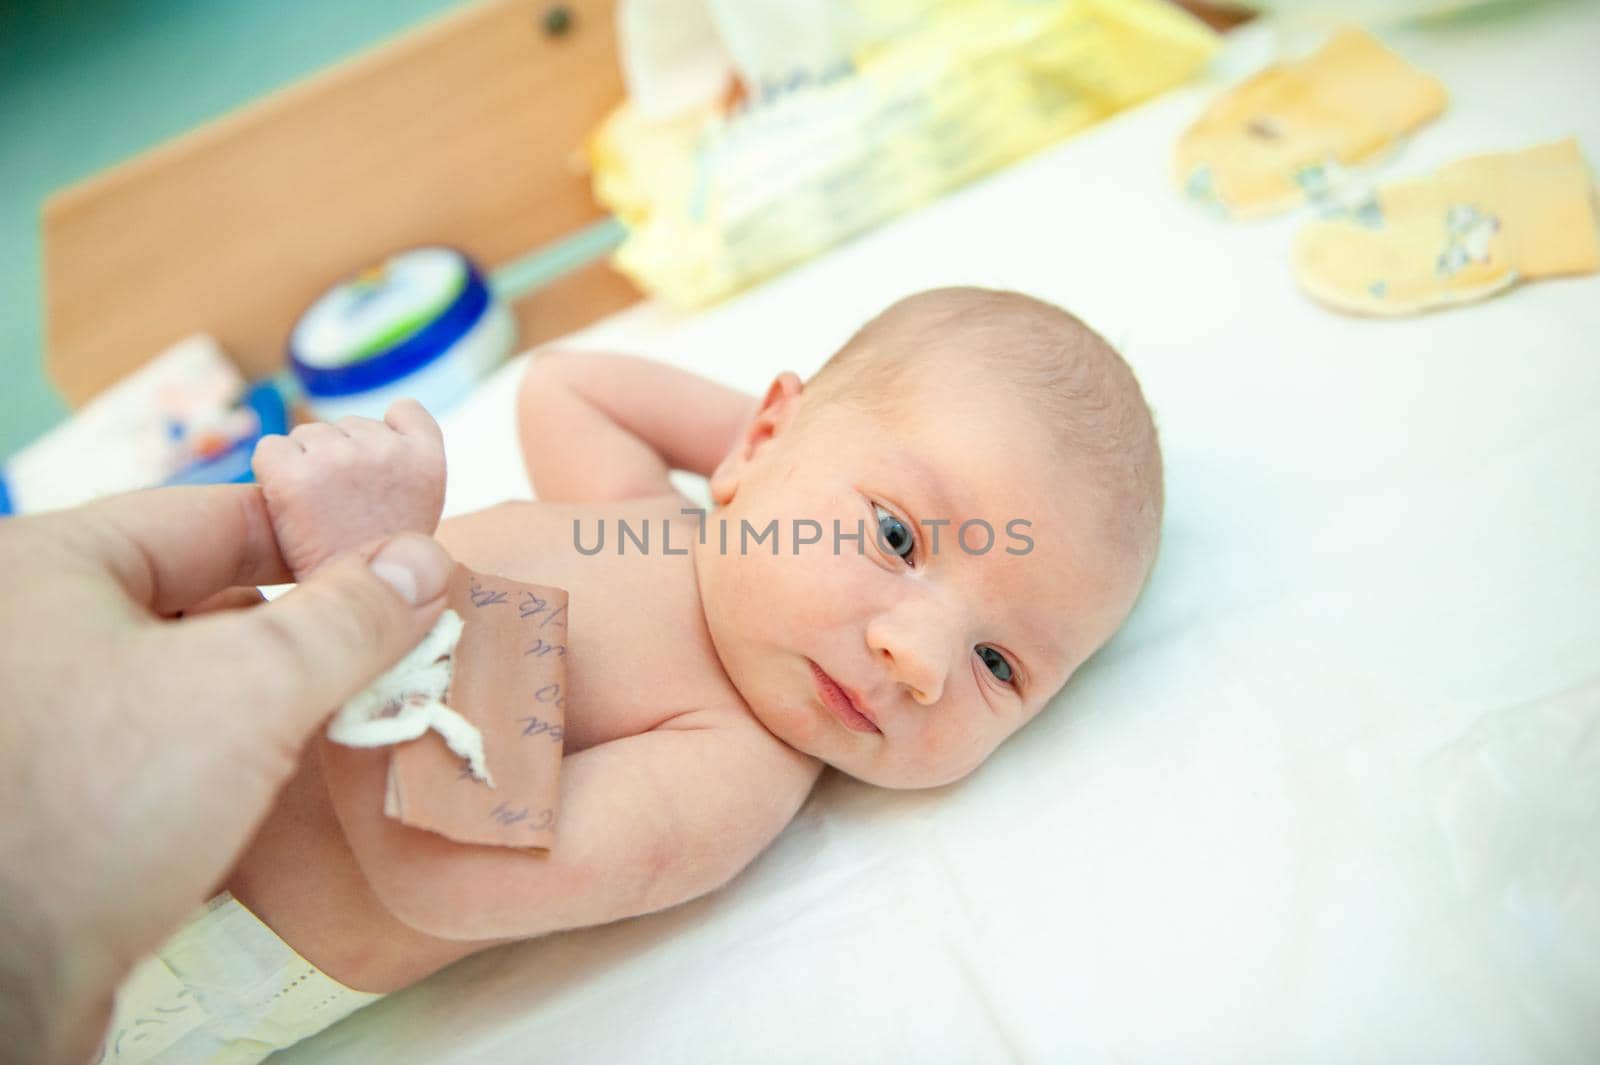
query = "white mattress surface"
{"x": 1333, "y": 795}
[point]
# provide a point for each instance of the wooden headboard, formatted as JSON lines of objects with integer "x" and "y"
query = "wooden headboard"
{"x": 467, "y": 131}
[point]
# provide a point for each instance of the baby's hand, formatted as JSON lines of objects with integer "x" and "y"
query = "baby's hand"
{"x": 333, "y": 487}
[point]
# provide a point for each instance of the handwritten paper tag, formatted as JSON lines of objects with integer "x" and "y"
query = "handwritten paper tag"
{"x": 509, "y": 680}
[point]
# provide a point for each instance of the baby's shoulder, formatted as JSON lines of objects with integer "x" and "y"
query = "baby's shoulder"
{"x": 572, "y": 525}
{"x": 605, "y": 540}
{"x": 725, "y": 745}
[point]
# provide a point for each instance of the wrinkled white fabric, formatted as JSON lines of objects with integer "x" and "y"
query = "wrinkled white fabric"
{"x": 408, "y": 700}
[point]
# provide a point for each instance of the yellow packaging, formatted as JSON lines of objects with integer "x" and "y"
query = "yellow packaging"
{"x": 715, "y": 201}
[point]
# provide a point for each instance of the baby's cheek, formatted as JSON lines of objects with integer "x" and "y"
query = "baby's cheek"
{"x": 817, "y": 588}
{"x": 955, "y": 746}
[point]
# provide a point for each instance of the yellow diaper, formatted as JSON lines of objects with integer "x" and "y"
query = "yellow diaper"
{"x": 1475, "y": 228}
{"x": 224, "y": 990}
{"x": 1278, "y": 138}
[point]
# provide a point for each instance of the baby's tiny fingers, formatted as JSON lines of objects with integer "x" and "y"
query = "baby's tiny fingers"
{"x": 358, "y": 428}
{"x": 410, "y": 418}
{"x": 271, "y": 453}
{"x": 316, "y": 435}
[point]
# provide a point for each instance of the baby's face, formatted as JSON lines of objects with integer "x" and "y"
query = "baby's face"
{"x": 905, "y": 659}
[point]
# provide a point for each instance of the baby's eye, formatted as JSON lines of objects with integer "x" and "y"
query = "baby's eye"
{"x": 894, "y": 534}
{"x": 996, "y": 662}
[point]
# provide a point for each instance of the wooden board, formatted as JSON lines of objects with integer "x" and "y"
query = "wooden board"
{"x": 467, "y": 132}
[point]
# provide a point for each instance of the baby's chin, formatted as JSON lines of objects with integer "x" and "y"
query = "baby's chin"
{"x": 896, "y": 777}
{"x": 806, "y": 728}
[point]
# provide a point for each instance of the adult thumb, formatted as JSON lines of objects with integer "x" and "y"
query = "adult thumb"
{"x": 353, "y": 618}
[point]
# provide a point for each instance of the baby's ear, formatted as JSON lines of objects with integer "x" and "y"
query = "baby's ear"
{"x": 770, "y": 421}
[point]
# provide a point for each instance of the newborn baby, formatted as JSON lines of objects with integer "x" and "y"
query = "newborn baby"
{"x": 907, "y": 557}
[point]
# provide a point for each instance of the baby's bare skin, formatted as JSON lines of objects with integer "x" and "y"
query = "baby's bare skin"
{"x": 709, "y": 687}
{"x": 329, "y": 486}
{"x": 640, "y": 661}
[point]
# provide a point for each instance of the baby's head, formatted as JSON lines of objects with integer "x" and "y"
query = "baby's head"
{"x": 1003, "y": 465}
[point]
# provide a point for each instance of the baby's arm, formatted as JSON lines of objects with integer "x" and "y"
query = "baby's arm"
{"x": 601, "y": 427}
{"x": 333, "y": 487}
{"x": 645, "y": 822}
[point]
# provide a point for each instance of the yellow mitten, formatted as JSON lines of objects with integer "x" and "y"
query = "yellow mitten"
{"x": 1476, "y": 227}
{"x": 1276, "y": 139}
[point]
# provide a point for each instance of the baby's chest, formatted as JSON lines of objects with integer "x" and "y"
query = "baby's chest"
{"x": 633, "y": 638}
{"x": 635, "y": 660}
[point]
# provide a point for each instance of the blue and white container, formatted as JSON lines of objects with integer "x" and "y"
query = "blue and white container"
{"x": 186, "y": 416}
{"x": 422, "y": 324}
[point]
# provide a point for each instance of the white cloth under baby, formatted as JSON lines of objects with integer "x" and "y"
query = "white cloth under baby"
{"x": 408, "y": 700}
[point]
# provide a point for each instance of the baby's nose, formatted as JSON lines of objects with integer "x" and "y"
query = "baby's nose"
{"x": 915, "y": 655}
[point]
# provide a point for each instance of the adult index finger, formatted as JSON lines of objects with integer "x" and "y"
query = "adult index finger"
{"x": 170, "y": 548}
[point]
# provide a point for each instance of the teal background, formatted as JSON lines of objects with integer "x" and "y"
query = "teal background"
{"x": 85, "y": 84}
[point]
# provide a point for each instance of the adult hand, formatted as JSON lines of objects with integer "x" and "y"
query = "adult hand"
{"x": 140, "y": 748}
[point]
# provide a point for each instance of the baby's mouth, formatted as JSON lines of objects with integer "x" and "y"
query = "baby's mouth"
{"x": 836, "y": 699}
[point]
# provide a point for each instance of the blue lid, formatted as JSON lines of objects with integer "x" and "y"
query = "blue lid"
{"x": 387, "y": 323}
{"x": 5, "y": 497}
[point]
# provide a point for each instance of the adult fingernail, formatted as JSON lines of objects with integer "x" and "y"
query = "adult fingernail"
{"x": 414, "y": 566}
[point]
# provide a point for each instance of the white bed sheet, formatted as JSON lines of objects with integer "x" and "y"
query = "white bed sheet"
{"x": 1333, "y": 795}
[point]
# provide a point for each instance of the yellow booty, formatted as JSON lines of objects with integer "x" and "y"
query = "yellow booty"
{"x": 1476, "y": 227}
{"x": 1276, "y": 139}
